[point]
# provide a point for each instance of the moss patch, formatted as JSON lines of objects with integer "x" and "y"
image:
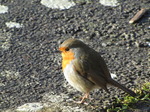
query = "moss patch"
{"x": 129, "y": 103}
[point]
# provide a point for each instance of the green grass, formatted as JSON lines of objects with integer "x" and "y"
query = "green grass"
{"x": 130, "y": 103}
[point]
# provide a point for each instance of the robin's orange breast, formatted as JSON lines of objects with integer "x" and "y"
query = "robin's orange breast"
{"x": 67, "y": 56}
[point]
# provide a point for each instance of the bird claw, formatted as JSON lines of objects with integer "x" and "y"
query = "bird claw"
{"x": 86, "y": 96}
{"x": 81, "y": 102}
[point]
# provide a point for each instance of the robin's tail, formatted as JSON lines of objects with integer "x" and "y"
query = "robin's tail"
{"x": 114, "y": 83}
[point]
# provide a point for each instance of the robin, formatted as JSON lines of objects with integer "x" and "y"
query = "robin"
{"x": 85, "y": 69}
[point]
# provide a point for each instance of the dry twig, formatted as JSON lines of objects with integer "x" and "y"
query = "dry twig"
{"x": 138, "y": 15}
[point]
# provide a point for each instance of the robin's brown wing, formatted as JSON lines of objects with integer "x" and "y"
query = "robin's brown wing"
{"x": 98, "y": 63}
{"x": 99, "y": 68}
{"x": 83, "y": 67}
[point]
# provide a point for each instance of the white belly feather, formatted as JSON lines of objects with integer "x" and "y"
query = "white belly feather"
{"x": 77, "y": 81}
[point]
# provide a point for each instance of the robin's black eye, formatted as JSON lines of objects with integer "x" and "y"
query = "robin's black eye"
{"x": 67, "y": 49}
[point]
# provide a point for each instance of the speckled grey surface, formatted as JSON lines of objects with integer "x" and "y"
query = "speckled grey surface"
{"x": 31, "y": 67}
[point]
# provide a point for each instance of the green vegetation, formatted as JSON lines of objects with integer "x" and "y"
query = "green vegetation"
{"x": 130, "y": 103}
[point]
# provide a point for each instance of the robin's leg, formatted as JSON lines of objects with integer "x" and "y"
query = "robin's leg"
{"x": 83, "y": 98}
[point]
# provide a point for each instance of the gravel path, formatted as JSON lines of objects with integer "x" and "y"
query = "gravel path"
{"x": 30, "y": 64}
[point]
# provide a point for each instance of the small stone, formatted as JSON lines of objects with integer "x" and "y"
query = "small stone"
{"x": 56, "y": 4}
{"x": 3, "y": 9}
{"x": 13, "y": 24}
{"x": 104, "y": 44}
{"x": 32, "y": 107}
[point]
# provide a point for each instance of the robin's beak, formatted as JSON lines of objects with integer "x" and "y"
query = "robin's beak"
{"x": 61, "y": 49}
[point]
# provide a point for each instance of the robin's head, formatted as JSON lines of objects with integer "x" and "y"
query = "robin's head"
{"x": 71, "y": 49}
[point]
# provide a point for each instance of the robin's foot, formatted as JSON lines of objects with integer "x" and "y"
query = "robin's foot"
{"x": 80, "y": 102}
{"x": 83, "y": 98}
